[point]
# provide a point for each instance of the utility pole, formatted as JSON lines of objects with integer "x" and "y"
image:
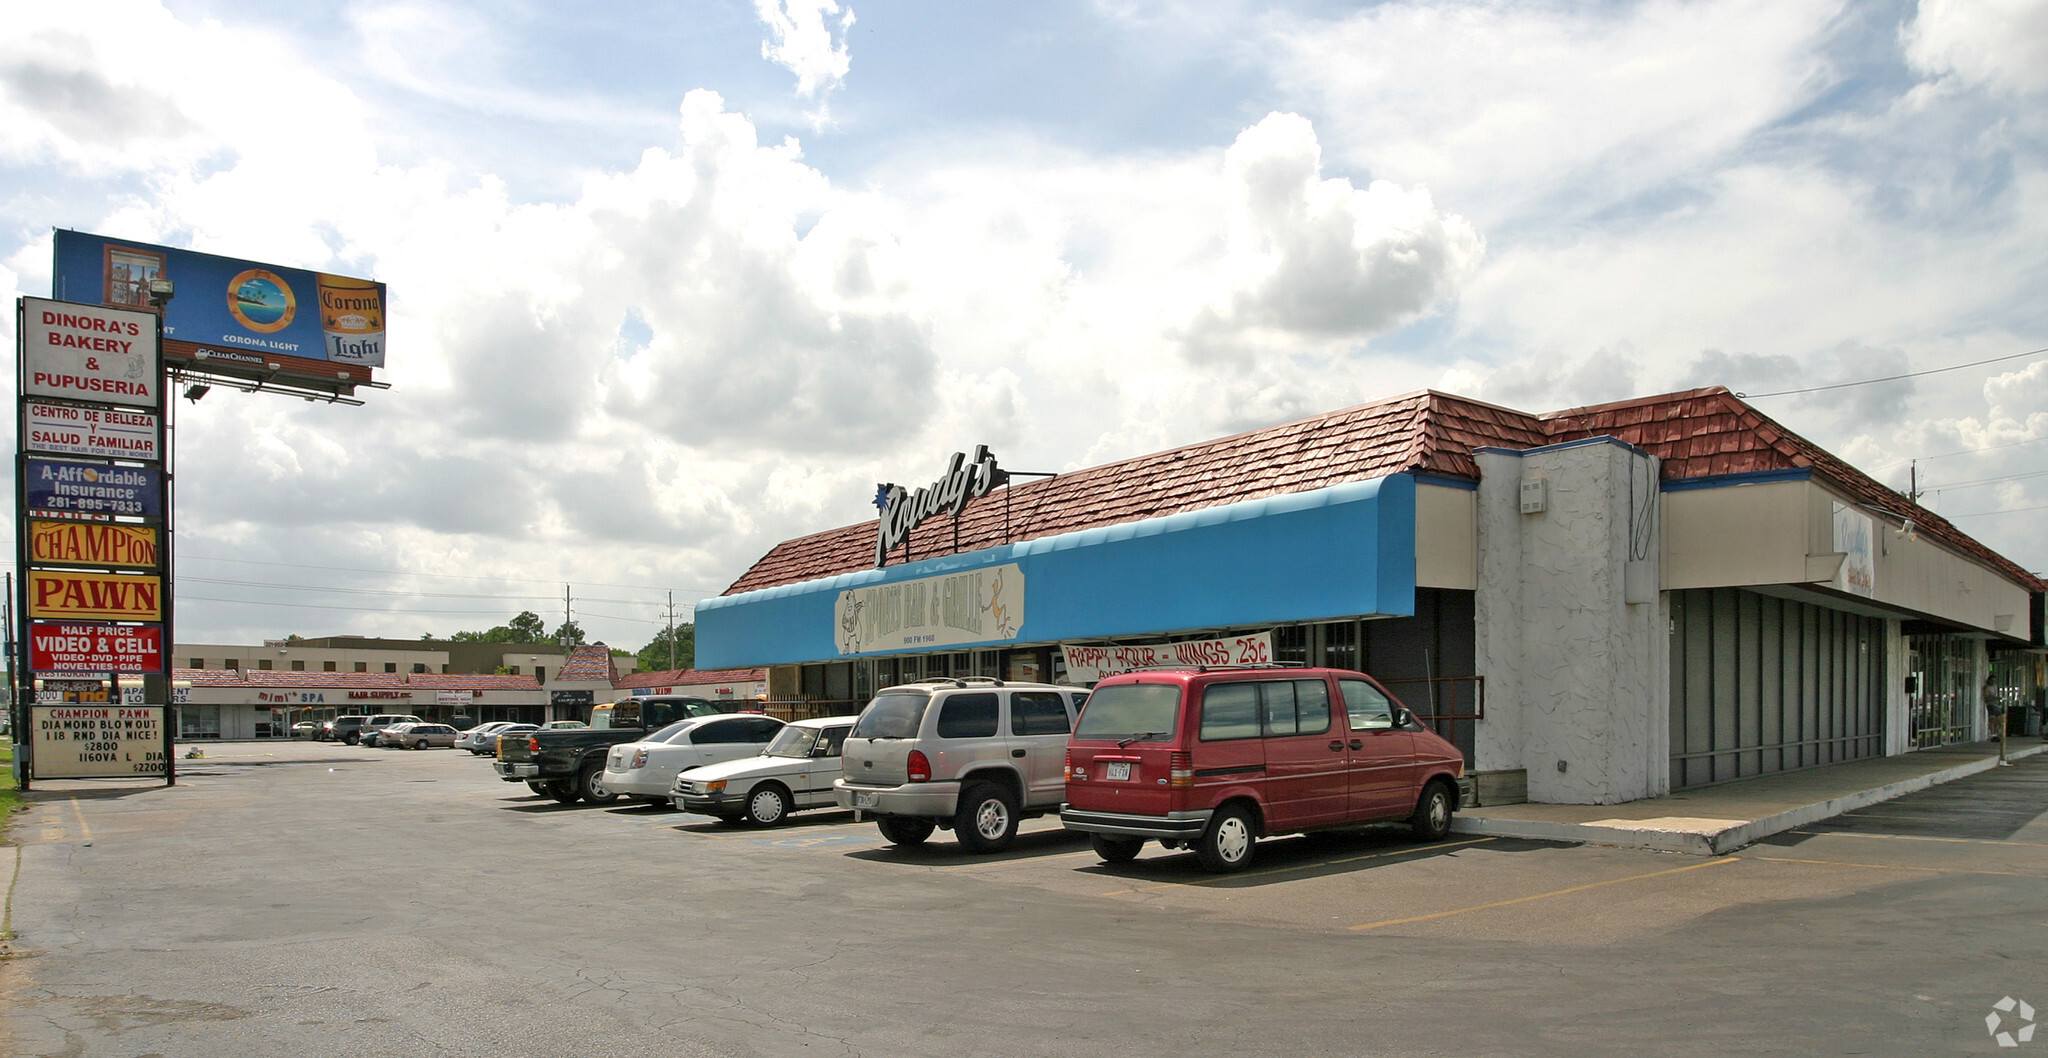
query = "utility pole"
{"x": 568, "y": 615}
{"x": 1913, "y": 482}
{"x": 671, "y": 631}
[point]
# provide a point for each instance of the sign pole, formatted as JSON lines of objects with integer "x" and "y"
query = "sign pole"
{"x": 24, "y": 743}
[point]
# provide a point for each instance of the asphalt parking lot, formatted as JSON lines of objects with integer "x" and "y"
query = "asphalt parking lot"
{"x": 323, "y": 899}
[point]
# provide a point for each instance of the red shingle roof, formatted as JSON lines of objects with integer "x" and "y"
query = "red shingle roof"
{"x": 689, "y": 678}
{"x": 587, "y": 663}
{"x": 471, "y": 681}
{"x": 1697, "y": 433}
{"x": 1425, "y": 431}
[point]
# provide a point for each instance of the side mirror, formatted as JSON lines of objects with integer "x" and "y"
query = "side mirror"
{"x": 1402, "y": 717}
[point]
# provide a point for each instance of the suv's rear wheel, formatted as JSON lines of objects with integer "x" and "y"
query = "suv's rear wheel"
{"x": 986, "y": 820}
{"x": 767, "y": 805}
{"x": 591, "y": 785}
{"x": 905, "y": 832}
{"x": 563, "y": 790}
{"x": 1116, "y": 850}
{"x": 1227, "y": 844}
{"x": 1432, "y": 818}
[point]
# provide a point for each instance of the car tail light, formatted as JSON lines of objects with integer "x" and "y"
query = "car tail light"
{"x": 1180, "y": 769}
{"x": 639, "y": 758}
{"x": 920, "y": 768}
{"x": 533, "y": 745}
{"x": 1070, "y": 765}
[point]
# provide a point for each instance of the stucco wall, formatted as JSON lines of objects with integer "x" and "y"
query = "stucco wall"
{"x": 1575, "y": 674}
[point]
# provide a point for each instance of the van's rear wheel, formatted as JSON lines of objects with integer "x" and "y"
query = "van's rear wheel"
{"x": 905, "y": 832}
{"x": 1116, "y": 850}
{"x": 1432, "y": 818}
{"x": 987, "y": 818}
{"x": 1227, "y": 844}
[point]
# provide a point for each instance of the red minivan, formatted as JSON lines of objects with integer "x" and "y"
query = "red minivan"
{"x": 1215, "y": 758}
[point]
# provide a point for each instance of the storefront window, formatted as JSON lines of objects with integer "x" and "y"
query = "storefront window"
{"x": 1943, "y": 702}
{"x": 199, "y": 721}
{"x": 1290, "y": 644}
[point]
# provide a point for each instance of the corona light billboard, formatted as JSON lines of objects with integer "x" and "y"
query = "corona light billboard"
{"x": 242, "y": 319}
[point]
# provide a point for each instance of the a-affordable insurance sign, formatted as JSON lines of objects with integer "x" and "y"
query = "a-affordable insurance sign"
{"x": 88, "y": 352}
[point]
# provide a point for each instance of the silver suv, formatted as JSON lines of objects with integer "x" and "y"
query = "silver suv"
{"x": 973, "y": 755}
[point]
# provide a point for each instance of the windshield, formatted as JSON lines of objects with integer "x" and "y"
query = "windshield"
{"x": 670, "y": 731}
{"x": 1126, "y": 711}
{"x": 892, "y": 716}
{"x": 792, "y": 742}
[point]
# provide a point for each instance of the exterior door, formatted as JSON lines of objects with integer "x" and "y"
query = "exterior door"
{"x": 1039, "y": 725}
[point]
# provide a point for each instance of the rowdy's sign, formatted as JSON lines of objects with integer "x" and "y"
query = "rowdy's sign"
{"x": 87, "y": 352}
{"x": 55, "y": 647}
{"x": 902, "y": 509}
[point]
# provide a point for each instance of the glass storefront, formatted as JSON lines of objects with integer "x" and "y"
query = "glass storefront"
{"x": 1943, "y": 702}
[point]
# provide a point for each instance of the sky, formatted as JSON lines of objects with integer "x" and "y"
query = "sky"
{"x": 673, "y": 282}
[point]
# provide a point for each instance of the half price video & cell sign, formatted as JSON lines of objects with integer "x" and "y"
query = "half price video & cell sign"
{"x": 86, "y": 352}
{"x": 94, "y": 648}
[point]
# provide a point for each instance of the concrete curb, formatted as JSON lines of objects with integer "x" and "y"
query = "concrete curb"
{"x": 1719, "y": 842}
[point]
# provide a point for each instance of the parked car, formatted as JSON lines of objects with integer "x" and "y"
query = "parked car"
{"x": 346, "y": 729}
{"x": 563, "y": 725}
{"x": 483, "y": 737}
{"x": 305, "y": 729}
{"x": 374, "y": 726}
{"x": 568, "y": 765}
{"x": 647, "y": 769}
{"x": 794, "y": 773}
{"x": 975, "y": 756}
{"x": 1214, "y": 759}
{"x": 421, "y": 736}
{"x": 388, "y": 737}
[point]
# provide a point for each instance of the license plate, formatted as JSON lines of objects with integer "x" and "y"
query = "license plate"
{"x": 865, "y": 800}
{"x": 1118, "y": 769}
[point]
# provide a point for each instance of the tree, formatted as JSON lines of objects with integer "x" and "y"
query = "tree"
{"x": 570, "y": 634}
{"x": 654, "y": 657}
{"x": 527, "y": 628}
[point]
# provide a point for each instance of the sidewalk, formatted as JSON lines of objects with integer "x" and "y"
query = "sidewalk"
{"x": 1717, "y": 819}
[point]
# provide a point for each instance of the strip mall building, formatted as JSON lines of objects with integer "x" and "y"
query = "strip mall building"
{"x": 1598, "y": 605}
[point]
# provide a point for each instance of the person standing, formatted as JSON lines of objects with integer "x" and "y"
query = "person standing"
{"x": 1994, "y": 705}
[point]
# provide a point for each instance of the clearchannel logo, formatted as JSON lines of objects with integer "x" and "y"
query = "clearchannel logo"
{"x": 2011, "y": 1022}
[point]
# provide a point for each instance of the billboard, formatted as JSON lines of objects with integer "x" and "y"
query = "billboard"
{"x": 74, "y": 647}
{"x": 91, "y": 492}
{"x": 85, "y": 352}
{"x": 234, "y": 317}
{"x": 108, "y": 433}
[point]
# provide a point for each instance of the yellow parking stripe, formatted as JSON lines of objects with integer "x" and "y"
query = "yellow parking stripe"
{"x": 1300, "y": 867}
{"x": 1545, "y": 896}
{"x": 1897, "y": 867}
{"x": 1916, "y": 837}
{"x": 79, "y": 814}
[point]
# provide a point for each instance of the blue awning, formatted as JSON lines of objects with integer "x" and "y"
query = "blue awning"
{"x": 1343, "y": 551}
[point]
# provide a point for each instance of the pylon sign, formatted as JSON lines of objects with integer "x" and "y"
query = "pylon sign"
{"x": 92, "y": 525}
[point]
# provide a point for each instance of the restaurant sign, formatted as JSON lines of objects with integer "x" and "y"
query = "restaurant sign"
{"x": 1088, "y": 664}
{"x": 88, "y": 352}
{"x": 975, "y": 606}
{"x": 903, "y": 510}
{"x": 76, "y": 647}
{"x": 94, "y": 596}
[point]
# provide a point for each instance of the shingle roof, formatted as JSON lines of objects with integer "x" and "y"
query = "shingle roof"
{"x": 439, "y": 681}
{"x": 689, "y": 677}
{"x": 471, "y": 681}
{"x": 1697, "y": 433}
{"x": 1710, "y": 432}
{"x": 1427, "y": 431}
{"x": 592, "y": 662}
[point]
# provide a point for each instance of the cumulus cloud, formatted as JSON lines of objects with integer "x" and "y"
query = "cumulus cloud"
{"x": 1317, "y": 263}
{"x": 808, "y": 41}
{"x": 2000, "y": 44}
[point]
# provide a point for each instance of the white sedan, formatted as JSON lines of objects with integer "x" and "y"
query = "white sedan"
{"x": 646, "y": 770}
{"x": 795, "y": 773}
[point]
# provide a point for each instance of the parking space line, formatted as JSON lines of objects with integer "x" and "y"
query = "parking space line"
{"x": 1897, "y": 867}
{"x": 1916, "y": 837}
{"x": 1300, "y": 867}
{"x": 1546, "y": 896}
{"x": 79, "y": 814}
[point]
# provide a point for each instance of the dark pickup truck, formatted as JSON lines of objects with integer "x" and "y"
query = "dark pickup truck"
{"x": 569, "y": 764}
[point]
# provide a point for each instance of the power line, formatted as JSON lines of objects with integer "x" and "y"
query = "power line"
{"x": 1892, "y": 378}
{"x": 1963, "y": 452}
{"x": 1988, "y": 481}
{"x": 188, "y": 557}
{"x": 1982, "y": 514}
